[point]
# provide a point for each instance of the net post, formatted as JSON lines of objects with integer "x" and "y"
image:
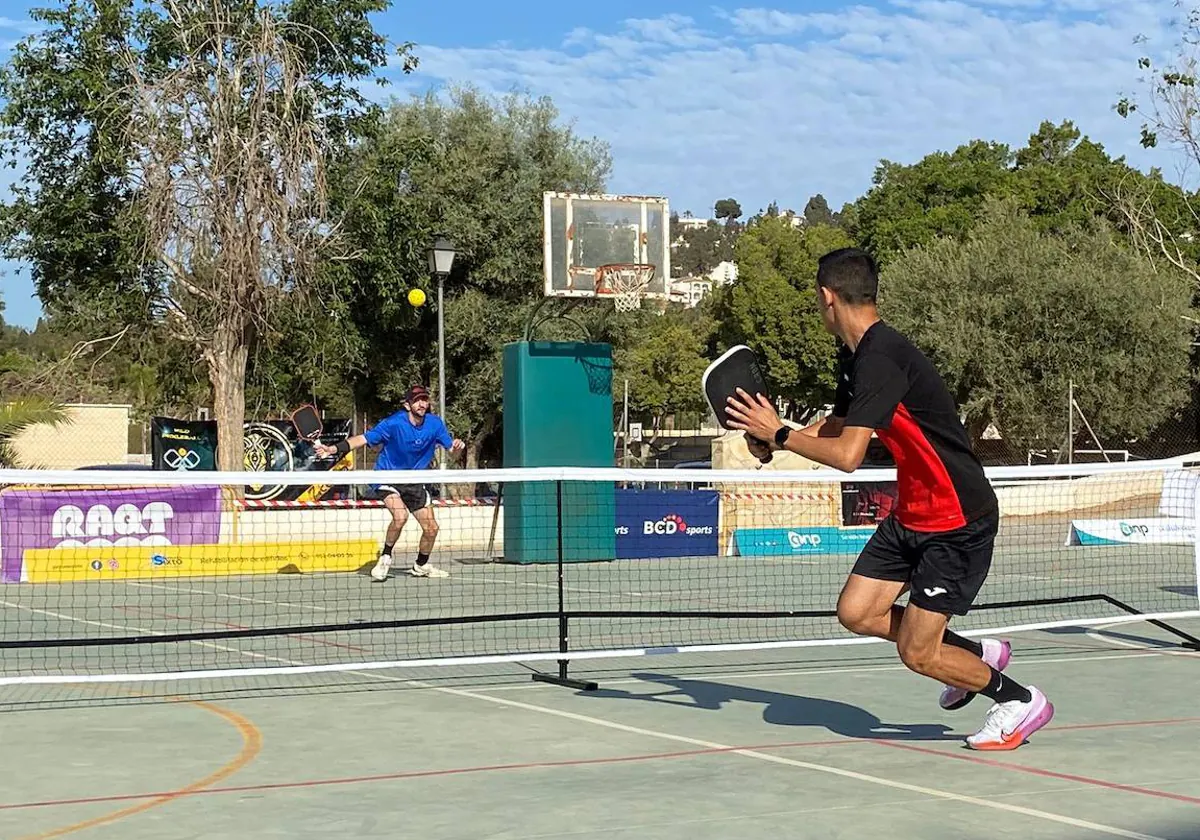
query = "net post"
{"x": 563, "y": 677}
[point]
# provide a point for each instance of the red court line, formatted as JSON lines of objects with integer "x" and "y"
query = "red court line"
{"x": 577, "y": 762}
{"x": 156, "y": 614}
{"x": 1050, "y": 774}
{"x": 416, "y": 774}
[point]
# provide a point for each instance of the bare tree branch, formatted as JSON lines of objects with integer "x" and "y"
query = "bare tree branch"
{"x": 230, "y": 146}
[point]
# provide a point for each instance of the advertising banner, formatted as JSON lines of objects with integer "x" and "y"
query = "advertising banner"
{"x": 1120, "y": 531}
{"x": 151, "y": 516}
{"x": 782, "y": 542}
{"x": 667, "y": 523}
{"x": 270, "y": 446}
{"x": 62, "y": 565}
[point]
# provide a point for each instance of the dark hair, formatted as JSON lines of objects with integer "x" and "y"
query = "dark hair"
{"x": 851, "y": 273}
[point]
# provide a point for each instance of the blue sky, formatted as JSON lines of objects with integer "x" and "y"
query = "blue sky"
{"x": 773, "y": 102}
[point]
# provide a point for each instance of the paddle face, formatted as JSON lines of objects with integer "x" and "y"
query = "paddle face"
{"x": 736, "y": 368}
{"x": 307, "y": 423}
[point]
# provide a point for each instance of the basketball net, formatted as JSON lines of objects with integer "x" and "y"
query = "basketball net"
{"x": 625, "y": 283}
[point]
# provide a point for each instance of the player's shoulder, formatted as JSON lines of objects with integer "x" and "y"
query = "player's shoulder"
{"x": 883, "y": 341}
{"x": 392, "y": 421}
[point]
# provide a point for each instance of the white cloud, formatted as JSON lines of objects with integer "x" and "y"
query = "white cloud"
{"x": 764, "y": 104}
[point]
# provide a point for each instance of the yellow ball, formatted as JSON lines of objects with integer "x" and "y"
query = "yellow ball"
{"x": 416, "y": 297}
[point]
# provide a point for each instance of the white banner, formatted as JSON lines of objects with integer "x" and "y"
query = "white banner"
{"x": 1171, "y": 530}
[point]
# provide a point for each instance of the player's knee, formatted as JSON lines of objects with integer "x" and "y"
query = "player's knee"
{"x": 857, "y": 618}
{"x": 921, "y": 658}
{"x": 430, "y": 528}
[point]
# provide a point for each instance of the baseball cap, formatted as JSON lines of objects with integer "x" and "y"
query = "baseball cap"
{"x": 416, "y": 392}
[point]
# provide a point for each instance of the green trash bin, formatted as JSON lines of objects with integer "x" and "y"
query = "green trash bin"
{"x": 558, "y": 412}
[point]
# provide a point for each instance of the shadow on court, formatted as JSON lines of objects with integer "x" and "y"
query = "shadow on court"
{"x": 779, "y": 708}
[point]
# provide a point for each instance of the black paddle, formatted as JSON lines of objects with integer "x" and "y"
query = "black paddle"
{"x": 736, "y": 368}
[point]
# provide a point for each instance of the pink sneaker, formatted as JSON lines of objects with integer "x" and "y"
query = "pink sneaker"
{"x": 1009, "y": 725}
{"x": 995, "y": 653}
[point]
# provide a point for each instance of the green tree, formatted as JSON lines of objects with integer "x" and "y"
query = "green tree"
{"x": 1060, "y": 178}
{"x": 1011, "y": 315}
{"x": 940, "y": 195}
{"x": 135, "y": 125}
{"x": 817, "y": 212}
{"x": 727, "y": 208}
{"x": 772, "y": 309}
{"x": 664, "y": 359}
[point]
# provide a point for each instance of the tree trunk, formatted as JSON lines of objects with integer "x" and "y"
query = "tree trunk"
{"x": 226, "y": 359}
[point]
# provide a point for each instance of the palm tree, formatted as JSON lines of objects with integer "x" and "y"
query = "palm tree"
{"x": 19, "y": 415}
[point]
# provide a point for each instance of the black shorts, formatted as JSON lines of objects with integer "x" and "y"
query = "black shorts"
{"x": 944, "y": 570}
{"x": 414, "y": 496}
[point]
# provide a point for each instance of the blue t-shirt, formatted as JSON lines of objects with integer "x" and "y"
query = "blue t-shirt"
{"x": 405, "y": 446}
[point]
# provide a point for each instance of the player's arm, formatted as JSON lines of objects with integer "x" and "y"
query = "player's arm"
{"x": 843, "y": 450}
{"x": 450, "y": 444}
{"x": 879, "y": 387}
{"x": 372, "y": 437}
{"x": 830, "y": 426}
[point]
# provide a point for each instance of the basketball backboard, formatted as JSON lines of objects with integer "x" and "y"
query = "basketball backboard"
{"x": 584, "y": 233}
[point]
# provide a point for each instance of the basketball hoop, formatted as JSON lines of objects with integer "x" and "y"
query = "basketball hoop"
{"x": 624, "y": 283}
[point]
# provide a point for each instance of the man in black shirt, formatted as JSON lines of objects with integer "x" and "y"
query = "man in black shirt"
{"x": 937, "y": 544}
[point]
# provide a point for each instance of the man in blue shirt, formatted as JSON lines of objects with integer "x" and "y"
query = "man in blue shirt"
{"x": 408, "y": 439}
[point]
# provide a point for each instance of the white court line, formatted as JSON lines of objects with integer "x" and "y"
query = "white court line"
{"x": 758, "y": 815}
{"x": 934, "y": 793}
{"x": 843, "y": 669}
{"x": 65, "y": 617}
{"x": 226, "y": 595}
{"x": 470, "y": 577}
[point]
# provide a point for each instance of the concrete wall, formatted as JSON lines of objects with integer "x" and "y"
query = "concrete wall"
{"x": 93, "y": 434}
{"x": 463, "y": 529}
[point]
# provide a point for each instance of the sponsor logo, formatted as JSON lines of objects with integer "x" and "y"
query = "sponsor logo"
{"x": 102, "y": 526}
{"x": 1129, "y": 529}
{"x": 798, "y": 540}
{"x": 673, "y": 523}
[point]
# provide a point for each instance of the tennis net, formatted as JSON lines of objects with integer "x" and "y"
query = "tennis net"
{"x": 140, "y": 576}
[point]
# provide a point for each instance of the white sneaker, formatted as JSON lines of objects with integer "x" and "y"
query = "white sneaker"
{"x": 380, "y": 572}
{"x": 1009, "y": 725}
{"x": 995, "y": 653}
{"x": 428, "y": 571}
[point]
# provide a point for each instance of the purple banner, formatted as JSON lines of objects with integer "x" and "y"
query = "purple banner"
{"x": 65, "y": 518}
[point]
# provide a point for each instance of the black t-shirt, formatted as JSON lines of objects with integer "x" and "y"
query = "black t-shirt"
{"x": 888, "y": 385}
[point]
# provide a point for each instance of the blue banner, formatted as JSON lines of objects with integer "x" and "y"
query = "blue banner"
{"x": 667, "y": 523}
{"x": 780, "y": 542}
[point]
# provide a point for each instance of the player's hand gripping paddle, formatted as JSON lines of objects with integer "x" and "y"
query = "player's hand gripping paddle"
{"x": 736, "y": 368}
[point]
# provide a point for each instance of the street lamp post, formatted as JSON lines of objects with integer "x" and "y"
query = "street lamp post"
{"x": 441, "y": 259}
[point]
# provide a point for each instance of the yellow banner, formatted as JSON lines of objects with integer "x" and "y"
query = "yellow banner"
{"x": 59, "y": 565}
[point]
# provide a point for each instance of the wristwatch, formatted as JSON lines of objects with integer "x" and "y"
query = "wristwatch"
{"x": 781, "y": 435}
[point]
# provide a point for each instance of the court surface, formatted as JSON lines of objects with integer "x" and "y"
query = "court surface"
{"x": 812, "y": 742}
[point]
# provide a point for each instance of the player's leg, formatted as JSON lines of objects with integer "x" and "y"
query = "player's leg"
{"x": 423, "y": 513}
{"x": 951, "y": 570}
{"x": 399, "y": 514}
{"x": 867, "y": 605}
